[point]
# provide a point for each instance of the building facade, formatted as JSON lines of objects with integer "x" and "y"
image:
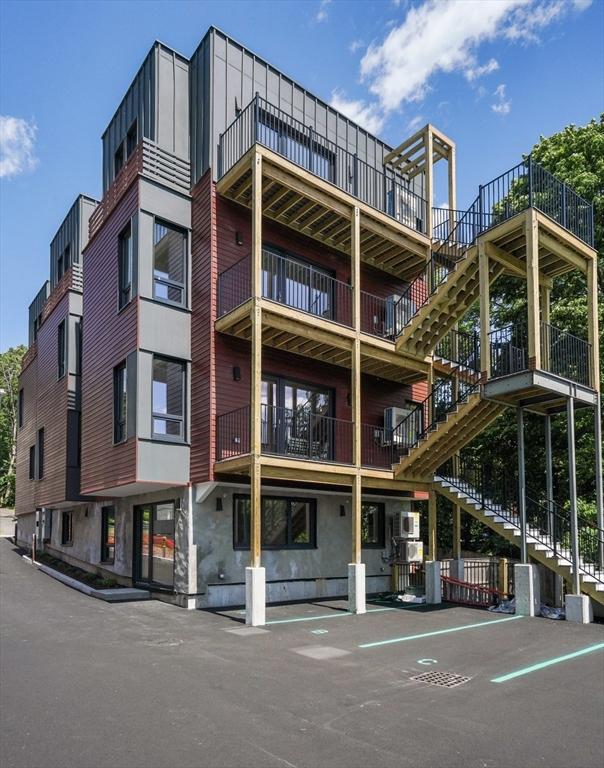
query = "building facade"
{"x": 247, "y": 363}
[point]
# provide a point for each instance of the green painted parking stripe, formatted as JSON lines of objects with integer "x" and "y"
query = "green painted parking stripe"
{"x": 327, "y": 616}
{"x": 548, "y": 663}
{"x": 438, "y": 632}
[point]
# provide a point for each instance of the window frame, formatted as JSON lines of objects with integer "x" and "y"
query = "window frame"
{"x": 128, "y": 145}
{"x": 120, "y": 151}
{"x": 125, "y": 266}
{"x": 67, "y": 530}
{"x": 169, "y": 283}
{"x": 32, "y": 462}
{"x": 120, "y": 386}
{"x": 61, "y": 349}
{"x": 381, "y": 522}
{"x": 182, "y": 419}
{"x": 40, "y": 452}
{"x": 290, "y": 500}
{"x": 106, "y": 512}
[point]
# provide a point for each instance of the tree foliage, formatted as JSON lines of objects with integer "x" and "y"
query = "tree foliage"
{"x": 10, "y": 367}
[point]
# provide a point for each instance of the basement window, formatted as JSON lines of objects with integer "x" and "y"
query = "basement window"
{"x": 287, "y": 523}
{"x": 108, "y": 535}
{"x": 66, "y": 528}
{"x": 372, "y": 525}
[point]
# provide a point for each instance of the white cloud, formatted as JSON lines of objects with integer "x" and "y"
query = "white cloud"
{"x": 366, "y": 115}
{"x": 17, "y": 146}
{"x": 480, "y": 70}
{"x": 355, "y": 46}
{"x": 414, "y": 123}
{"x": 322, "y": 13}
{"x": 503, "y": 104}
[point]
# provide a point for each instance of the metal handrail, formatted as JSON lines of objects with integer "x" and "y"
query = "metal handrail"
{"x": 461, "y": 348}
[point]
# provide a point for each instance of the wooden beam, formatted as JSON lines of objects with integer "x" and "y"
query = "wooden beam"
{"x": 592, "y": 322}
{"x": 429, "y": 176}
{"x": 532, "y": 288}
{"x": 563, "y": 251}
{"x": 256, "y": 367}
{"x": 513, "y": 263}
{"x": 485, "y": 309}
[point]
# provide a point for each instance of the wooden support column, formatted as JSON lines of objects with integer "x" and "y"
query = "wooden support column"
{"x": 256, "y": 366}
{"x": 546, "y": 293}
{"x": 429, "y": 192}
{"x": 485, "y": 310}
{"x": 452, "y": 174}
{"x": 355, "y": 257}
{"x": 592, "y": 321}
{"x": 532, "y": 289}
{"x": 432, "y": 531}
{"x": 456, "y": 532}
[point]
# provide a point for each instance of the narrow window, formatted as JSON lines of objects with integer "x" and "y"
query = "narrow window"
{"x": 125, "y": 266}
{"x": 120, "y": 398}
{"x": 168, "y": 399}
{"x": 118, "y": 160}
{"x": 40, "y": 453}
{"x": 21, "y": 409}
{"x": 61, "y": 350}
{"x": 169, "y": 263}
{"x": 131, "y": 139}
{"x": 67, "y": 257}
{"x": 108, "y": 534}
{"x": 32, "y": 462}
{"x": 372, "y": 525}
{"x": 60, "y": 267}
{"x": 66, "y": 528}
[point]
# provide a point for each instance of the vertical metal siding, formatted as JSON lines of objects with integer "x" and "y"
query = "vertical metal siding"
{"x": 73, "y": 232}
{"x": 36, "y": 307}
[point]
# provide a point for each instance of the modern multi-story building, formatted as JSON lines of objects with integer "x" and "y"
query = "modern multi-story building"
{"x": 247, "y": 362}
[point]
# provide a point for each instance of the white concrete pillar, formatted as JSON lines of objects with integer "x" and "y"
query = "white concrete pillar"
{"x": 255, "y": 596}
{"x": 456, "y": 570}
{"x": 356, "y": 588}
{"x": 527, "y": 589}
{"x": 579, "y": 609}
{"x": 433, "y": 585}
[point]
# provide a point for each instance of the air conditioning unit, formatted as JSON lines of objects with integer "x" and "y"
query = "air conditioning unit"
{"x": 399, "y": 310}
{"x": 393, "y": 417}
{"x": 411, "y": 551}
{"x": 405, "y": 525}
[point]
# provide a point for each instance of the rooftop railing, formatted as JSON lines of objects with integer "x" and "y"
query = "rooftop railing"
{"x": 262, "y": 123}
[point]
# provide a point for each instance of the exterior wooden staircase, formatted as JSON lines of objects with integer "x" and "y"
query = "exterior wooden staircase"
{"x": 548, "y": 542}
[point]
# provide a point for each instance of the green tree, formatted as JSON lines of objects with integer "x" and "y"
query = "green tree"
{"x": 10, "y": 367}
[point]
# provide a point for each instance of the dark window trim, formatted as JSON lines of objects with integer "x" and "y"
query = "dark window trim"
{"x": 182, "y": 438}
{"x": 20, "y": 408}
{"x": 381, "y": 542}
{"x": 105, "y": 512}
{"x": 40, "y": 452}
{"x": 131, "y": 147}
{"x": 61, "y": 350}
{"x": 120, "y": 426}
{"x": 172, "y": 283}
{"x": 289, "y": 499}
{"x": 121, "y": 151}
{"x": 66, "y": 532}
{"x": 124, "y": 290}
{"x": 32, "y": 462}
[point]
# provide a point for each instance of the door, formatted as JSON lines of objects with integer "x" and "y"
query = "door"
{"x": 154, "y": 544}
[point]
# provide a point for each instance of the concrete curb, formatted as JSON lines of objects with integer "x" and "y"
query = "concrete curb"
{"x": 120, "y": 595}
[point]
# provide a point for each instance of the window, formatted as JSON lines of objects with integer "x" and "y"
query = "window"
{"x": 61, "y": 349}
{"x": 40, "y": 453}
{"x": 168, "y": 399}
{"x": 21, "y": 408}
{"x": 66, "y": 528}
{"x": 60, "y": 267}
{"x": 372, "y": 525}
{"x": 107, "y": 534}
{"x": 169, "y": 263}
{"x": 120, "y": 403}
{"x": 125, "y": 266}
{"x": 287, "y": 523}
{"x": 131, "y": 139}
{"x": 32, "y": 462}
{"x": 118, "y": 160}
{"x": 64, "y": 262}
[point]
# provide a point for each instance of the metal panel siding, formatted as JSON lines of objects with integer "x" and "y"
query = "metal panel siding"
{"x": 73, "y": 232}
{"x": 108, "y": 338}
{"x": 36, "y": 307}
{"x": 199, "y": 89}
{"x": 233, "y": 70}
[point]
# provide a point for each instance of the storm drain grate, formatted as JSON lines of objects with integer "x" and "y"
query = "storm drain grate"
{"x": 442, "y": 679}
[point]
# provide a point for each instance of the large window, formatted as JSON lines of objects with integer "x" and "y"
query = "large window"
{"x": 108, "y": 534}
{"x": 125, "y": 267}
{"x": 21, "y": 410}
{"x": 120, "y": 403}
{"x": 372, "y": 525}
{"x": 61, "y": 349}
{"x": 169, "y": 263}
{"x": 66, "y": 528}
{"x": 40, "y": 453}
{"x": 287, "y": 523}
{"x": 168, "y": 399}
{"x": 118, "y": 160}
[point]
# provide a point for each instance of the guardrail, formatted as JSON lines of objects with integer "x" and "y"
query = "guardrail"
{"x": 461, "y": 348}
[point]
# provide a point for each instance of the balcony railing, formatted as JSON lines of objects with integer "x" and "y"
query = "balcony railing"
{"x": 562, "y": 353}
{"x": 461, "y": 348}
{"x": 444, "y": 221}
{"x": 262, "y": 123}
{"x": 147, "y": 159}
{"x": 301, "y": 434}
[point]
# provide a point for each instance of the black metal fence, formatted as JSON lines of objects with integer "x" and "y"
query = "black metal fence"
{"x": 408, "y": 576}
{"x": 461, "y": 348}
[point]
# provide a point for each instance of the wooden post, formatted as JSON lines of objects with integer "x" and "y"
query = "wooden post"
{"x": 256, "y": 367}
{"x": 432, "y": 531}
{"x": 485, "y": 310}
{"x": 592, "y": 322}
{"x": 456, "y": 532}
{"x": 429, "y": 150}
{"x": 503, "y": 575}
{"x": 532, "y": 290}
{"x": 546, "y": 293}
{"x": 452, "y": 172}
{"x": 355, "y": 257}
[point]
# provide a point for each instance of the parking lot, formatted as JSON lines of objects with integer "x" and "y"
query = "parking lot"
{"x": 85, "y": 683}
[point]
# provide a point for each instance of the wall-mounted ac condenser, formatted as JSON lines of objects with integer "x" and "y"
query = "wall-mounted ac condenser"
{"x": 411, "y": 551}
{"x": 405, "y": 525}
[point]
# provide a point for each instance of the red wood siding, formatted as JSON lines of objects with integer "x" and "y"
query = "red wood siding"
{"x": 26, "y": 437}
{"x": 108, "y": 338}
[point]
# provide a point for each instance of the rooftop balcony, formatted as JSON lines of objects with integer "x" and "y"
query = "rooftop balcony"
{"x": 151, "y": 161}
{"x": 311, "y": 185}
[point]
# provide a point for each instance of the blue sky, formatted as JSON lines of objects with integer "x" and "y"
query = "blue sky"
{"x": 492, "y": 74}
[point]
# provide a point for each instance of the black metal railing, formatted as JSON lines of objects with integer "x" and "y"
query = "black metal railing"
{"x": 461, "y": 348}
{"x": 263, "y": 123}
{"x": 562, "y": 353}
{"x": 287, "y": 282}
{"x": 376, "y": 447}
{"x": 444, "y": 221}
{"x": 233, "y": 433}
{"x": 408, "y": 576}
